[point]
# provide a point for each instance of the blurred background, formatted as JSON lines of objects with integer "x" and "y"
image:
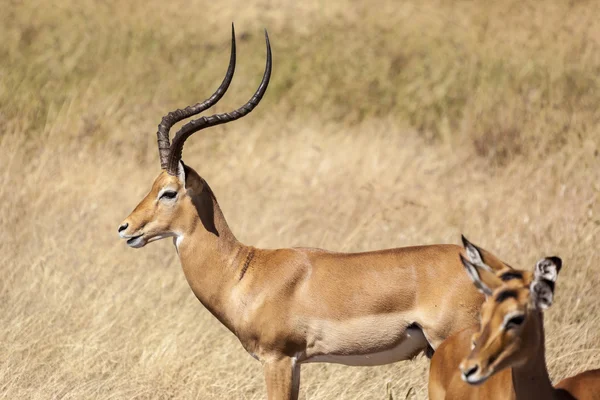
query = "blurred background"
{"x": 386, "y": 124}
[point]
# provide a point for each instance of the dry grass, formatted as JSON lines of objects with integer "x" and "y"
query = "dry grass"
{"x": 384, "y": 126}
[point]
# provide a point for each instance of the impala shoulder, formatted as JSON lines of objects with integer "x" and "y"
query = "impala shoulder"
{"x": 285, "y": 255}
{"x": 582, "y": 385}
{"x": 282, "y": 266}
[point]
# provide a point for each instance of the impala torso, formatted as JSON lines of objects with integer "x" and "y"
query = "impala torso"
{"x": 504, "y": 358}
{"x": 290, "y": 306}
{"x": 315, "y": 305}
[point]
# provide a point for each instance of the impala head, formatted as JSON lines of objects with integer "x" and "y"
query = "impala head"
{"x": 510, "y": 316}
{"x": 160, "y": 212}
{"x": 173, "y": 197}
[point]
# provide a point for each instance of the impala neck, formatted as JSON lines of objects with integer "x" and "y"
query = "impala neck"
{"x": 209, "y": 252}
{"x": 531, "y": 380}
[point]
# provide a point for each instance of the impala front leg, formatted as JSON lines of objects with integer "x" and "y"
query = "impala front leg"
{"x": 283, "y": 379}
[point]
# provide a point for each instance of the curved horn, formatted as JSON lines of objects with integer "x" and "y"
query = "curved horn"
{"x": 205, "y": 122}
{"x": 175, "y": 116}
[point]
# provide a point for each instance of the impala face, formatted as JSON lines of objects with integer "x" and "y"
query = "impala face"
{"x": 500, "y": 343}
{"x": 157, "y": 215}
{"x": 509, "y": 318}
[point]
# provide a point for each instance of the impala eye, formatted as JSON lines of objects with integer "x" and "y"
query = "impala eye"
{"x": 168, "y": 195}
{"x": 515, "y": 321}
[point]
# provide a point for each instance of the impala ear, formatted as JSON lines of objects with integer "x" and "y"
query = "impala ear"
{"x": 474, "y": 253}
{"x": 181, "y": 172}
{"x": 544, "y": 278}
{"x": 484, "y": 279}
{"x": 548, "y": 268}
{"x": 542, "y": 293}
{"x": 483, "y": 258}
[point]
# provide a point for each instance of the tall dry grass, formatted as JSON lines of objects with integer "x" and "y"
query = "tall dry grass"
{"x": 384, "y": 126}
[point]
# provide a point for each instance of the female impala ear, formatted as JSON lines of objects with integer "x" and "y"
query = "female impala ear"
{"x": 484, "y": 280}
{"x": 474, "y": 254}
{"x": 483, "y": 258}
{"x": 542, "y": 293}
{"x": 544, "y": 278}
{"x": 548, "y": 268}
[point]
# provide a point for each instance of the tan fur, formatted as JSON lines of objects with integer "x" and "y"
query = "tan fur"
{"x": 295, "y": 305}
{"x": 511, "y": 363}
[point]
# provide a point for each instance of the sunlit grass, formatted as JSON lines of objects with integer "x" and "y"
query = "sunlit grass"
{"x": 384, "y": 126}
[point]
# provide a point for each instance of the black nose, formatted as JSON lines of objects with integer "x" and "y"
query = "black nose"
{"x": 471, "y": 371}
{"x": 123, "y": 227}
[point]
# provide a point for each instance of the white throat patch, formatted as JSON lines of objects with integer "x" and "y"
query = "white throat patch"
{"x": 177, "y": 241}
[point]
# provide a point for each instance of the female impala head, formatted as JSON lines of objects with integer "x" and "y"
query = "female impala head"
{"x": 511, "y": 316}
{"x": 164, "y": 210}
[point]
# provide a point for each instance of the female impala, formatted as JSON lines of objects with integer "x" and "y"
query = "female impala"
{"x": 504, "y": 358}
{"x": 290, "y": 306}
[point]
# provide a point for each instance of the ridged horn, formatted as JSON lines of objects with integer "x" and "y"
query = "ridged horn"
{"x": 205, "y": 122}
{"x": 175, "y": 116}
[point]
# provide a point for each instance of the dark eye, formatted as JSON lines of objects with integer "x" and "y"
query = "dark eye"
{"x": 515, "y": 321}
{"x": 169, "y": 194}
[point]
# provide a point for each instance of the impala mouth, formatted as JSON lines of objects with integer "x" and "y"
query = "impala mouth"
{"x": 136, "y": 241}
{"x": 475, "y": 379}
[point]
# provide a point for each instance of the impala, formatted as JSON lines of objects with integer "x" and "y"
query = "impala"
{"x": 504, "y": 358}
{"x": 297, "y": 305}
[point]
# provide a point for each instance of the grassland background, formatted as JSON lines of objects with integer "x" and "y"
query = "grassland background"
{"x": 386, "y": 124}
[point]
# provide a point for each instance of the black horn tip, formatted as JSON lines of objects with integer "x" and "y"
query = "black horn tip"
{"x": 204, "y": 122}
{"x": 269, "y": 56}
{"x": 232, "y": 44}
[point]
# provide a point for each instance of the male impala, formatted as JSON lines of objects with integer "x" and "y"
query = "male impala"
{"x": 296, "y": 305}
{"x": 504, "y": 358}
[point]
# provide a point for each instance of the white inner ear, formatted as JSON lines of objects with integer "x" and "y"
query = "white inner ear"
{"x": 474, "y": 274}
{"x": 546, "y": 269}
{"x": 475, "y": 256}
{"x": 181, "y": 173}
{"x": 542, "y": 294}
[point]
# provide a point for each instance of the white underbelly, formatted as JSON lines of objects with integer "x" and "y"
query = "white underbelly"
{"x": 369, "y": 341}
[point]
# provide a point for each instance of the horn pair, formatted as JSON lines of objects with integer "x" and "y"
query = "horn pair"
{"x": 170, "y": 153}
